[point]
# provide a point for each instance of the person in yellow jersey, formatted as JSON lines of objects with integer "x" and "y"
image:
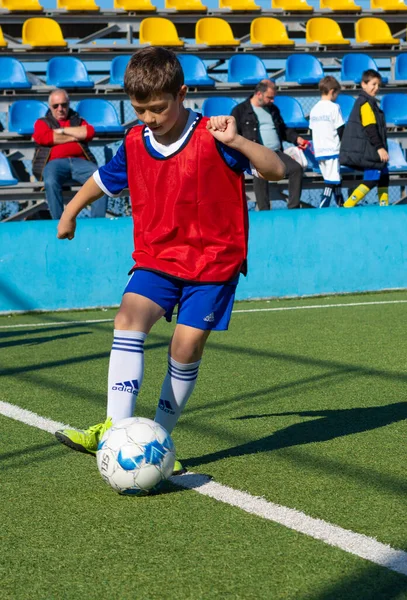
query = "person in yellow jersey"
{"x": 364, "y": 142}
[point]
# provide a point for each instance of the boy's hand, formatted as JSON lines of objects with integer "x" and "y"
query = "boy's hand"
{"x": 66, "y": 227}
{"x": 301, "y": 143}
{"x": 223, "y": 128}
{"x": 384, "y": 157}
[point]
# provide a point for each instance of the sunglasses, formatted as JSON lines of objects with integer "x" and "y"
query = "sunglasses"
{"x": 61, "y": 104}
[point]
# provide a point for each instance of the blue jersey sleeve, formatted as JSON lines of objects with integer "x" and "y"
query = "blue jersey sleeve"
{"x": 235, "y": 159}
{"x": 112, "y": 178}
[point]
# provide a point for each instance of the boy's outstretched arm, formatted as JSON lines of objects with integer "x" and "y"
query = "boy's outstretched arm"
{"x": 88, "y": 193}
{"x": 264, "y": 160}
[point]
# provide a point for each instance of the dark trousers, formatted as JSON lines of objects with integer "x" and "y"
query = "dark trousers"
{"x": 294, "y": 174}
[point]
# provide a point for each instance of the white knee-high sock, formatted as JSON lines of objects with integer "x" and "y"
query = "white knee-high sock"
{"x": 177, "y": 387}
{"x": 126, "y": 370}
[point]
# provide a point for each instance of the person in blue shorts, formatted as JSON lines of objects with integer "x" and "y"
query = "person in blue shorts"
{"x": 185, "y": 174}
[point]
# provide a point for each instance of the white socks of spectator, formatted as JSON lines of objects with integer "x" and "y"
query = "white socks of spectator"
{"x": 177, "y": 387}
{"x": 126, "y": 370}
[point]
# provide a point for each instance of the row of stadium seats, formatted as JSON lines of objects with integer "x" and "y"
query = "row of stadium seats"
{"x": 214, "y": 31}
{"x": 70, "y": 72}
{"x": 198, "y": 6}
{"x": 102, "y": 114}
{"x": 397, "y": 163}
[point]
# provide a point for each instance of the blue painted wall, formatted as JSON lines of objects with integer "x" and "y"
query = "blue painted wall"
{"x": 292, "y": 253}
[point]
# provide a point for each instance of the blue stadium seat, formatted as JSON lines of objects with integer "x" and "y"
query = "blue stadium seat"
{"x": 353, "y": 66}
{"x": 395, "y": 109}
{"x": 400, "y": 71}
{"x": 22, "y": 115}
{"x": 6, "y": 176}
{"x": 246, "y": 69}
{"x": 291, "y": 111}
{"x": 195, "y": 73}
{"x": 12, "y": 74}
{"x": 397, "y": 158}
{"x": 117, "y": 69}
{"x": 346, "y": 103}
{"x": 220, "y": 105}
{"x": 68, "y": 72}
{"x": 101, "y": 114}
{"x": 303, "y": 69}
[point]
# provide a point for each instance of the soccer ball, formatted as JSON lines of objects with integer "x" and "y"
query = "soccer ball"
{"x": 135, "y": 455}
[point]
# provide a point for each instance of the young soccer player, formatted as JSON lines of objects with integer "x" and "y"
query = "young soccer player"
{"x": 364, "y": 142}
{"x": 327, "y": 125}
{"x": 186, "y": 182}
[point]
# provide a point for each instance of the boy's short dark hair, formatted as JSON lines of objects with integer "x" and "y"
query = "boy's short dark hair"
{"x": 327, "y": 84}
{"x": 153, "y": 71}
{"x": 371, "y": 74}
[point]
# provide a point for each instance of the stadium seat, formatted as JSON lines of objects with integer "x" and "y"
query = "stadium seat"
{"x": 239, "y": 5}
{"x": 12, "y": 74}
{"x": 397, "y": 158}
{"x": 78, "y": 5}
{"x": 388, "y": 5}
{"x": 212, "y": 31}
{"x": 134, "y": 5}
{"x": 101, "y": 114}
{"x": 353, "y": 66}
{"x": 68, "y": 72}
{"x": 186, "y": 5}
{"x": 324, "y": 31}
{"x": 22, "y": 5}
{"x": 117, "y": 69}
{"x": 394, "y": 107}
{"x": 346, "y": 103}
{"x": 374, "y": 31}
{"x": 158, "y": 31}
{"x": 195, "y": 73}
{"x": 292, "y": 5}
{"x": 400, "y": 68}
{"x": 22, "y": 115}
{"x": 6, "y": 176}
{"x": 3, "y": 42}
{"x": 218, "y": 105}
{"x": 340, "y": 5}
{"x": 303, "y": 69}
{"x": 268, "y": 31}
{"x": 291, "y": 111}
{"x": 42, "y": 32}
{"x": 246, "y": 69}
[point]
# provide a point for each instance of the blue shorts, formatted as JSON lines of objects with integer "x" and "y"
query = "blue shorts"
{"x": 374, "y": 174}
{"x": 204, "y": 306}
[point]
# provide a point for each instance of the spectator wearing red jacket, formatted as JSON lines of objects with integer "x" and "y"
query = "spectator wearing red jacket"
{"x": 62, "y": 154}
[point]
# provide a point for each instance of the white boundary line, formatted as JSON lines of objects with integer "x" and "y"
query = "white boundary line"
{"x": 248, "y": 310}
{"x": 354, "y": 543}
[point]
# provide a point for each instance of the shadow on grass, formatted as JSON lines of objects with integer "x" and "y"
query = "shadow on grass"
{"x": 15, "y": 333}
{"x": 26, "y": 457}
{"x": 34, "y": 341}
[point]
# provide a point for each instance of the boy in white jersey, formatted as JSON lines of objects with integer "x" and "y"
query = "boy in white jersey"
{"x": 327, "y": 125}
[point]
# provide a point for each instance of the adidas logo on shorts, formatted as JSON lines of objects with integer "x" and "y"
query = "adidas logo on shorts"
{"x": 210, "y": 318}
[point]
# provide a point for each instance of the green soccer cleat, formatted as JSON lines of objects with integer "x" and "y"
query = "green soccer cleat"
{"x": 84, "y": 440}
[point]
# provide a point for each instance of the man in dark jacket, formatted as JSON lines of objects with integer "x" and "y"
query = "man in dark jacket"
{"x": 62, "y": 155}
{"x": 364, "y": 142}
{"x": 259, "y": 120}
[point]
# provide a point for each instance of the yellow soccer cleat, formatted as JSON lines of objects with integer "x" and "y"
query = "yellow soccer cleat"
{"x": 83, "y": 440}
{"x": 178, "y": 468}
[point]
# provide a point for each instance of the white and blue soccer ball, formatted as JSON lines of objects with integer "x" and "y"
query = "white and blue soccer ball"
{"x": 135, "y": 455}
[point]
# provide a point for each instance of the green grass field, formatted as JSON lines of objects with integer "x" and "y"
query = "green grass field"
{"x": 305, "y": 408}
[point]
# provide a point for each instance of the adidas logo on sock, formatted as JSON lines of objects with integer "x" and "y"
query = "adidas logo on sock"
{"x": 127, "y": 386}
{"x": 210, "y": 318}
{"x": 165, "y": 405}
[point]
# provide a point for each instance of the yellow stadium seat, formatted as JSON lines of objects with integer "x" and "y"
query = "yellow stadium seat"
{"x": 324, "y": 31}
{"x": 134, "y": 5}
{"x": 371, "y": 30}
{"x": 26, "y": 5}
{"x": 78, "y": 5}
{"x": 239, "y": 5}
{"x": 43, "y": 32}
{"x": 158, "y": 31}
{"x": 269, "y": 32}
{"x": 3, "y": 42}
{"x": 292, "y": 5}
{"x": 213, "y": 31}
{"x": 388, "y": 5}
{"x": 186, "y": 5}
{"x": 340, "y": 5}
